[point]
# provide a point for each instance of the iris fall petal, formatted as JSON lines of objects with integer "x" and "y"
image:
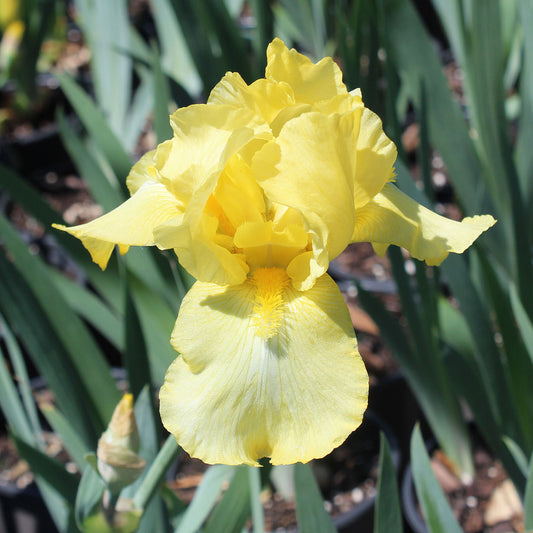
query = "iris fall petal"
{"x": 130, "y": 224}
{"x": 394, "y": 218}
{"x": 234, "y": 396}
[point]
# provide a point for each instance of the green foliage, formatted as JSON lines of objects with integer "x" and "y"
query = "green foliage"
{"x": 388, "y": 515}
{"x": 439, "y": 516}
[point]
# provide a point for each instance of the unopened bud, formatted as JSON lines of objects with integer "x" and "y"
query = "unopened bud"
{"x": 118, "y": 462}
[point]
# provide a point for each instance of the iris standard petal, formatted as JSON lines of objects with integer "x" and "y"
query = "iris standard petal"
{"x": 205, "y": 138}
{"x": 130, "y": 224}
{"x": 311, "y": 167}
{"x": 237, "y": 394}
{"x": 375, "y": 158}
{"x": 394, "y": 218}
{"x": 266, "y": 98}
{"x": 310, "y": 82}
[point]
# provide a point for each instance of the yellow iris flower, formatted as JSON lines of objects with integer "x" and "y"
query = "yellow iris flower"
{"x": 257, "y": 191}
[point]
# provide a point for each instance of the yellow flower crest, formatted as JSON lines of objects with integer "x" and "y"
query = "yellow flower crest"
{"x": 256, "y": 192}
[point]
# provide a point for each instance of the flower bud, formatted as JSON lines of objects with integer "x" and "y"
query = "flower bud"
{"x": 118, "y": 462}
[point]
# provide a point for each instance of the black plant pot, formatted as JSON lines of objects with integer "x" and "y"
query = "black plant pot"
{"x": 411, "y": 509}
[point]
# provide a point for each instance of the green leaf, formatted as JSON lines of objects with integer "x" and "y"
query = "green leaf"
{"x": 49, "y": 469}
{"x": 135, "y": 356}
{"x": 91, "y": 308}
{"x": 60, "y": 510}
{"x": 523, "y": 155}
{"x": 104, "y": 192}
{"x": 90, "y": 492}
{"x": 161, "y": 100}
{"x": 430, "y": 381}
{"x": 310, "y": 511}
{"x": 233, "y": 510}
{"x": 74, "y": 445}
{"x": 282, "y": 477}
{"x": 518, "y": 455}
{"x": 492, "y": 375}
{"x": 175, "y": 506}
{"x": 29, "y": 413}
{"x": 508, "y": 312}
{"x": 140, "y": 109}
{"x": 27, "y": 197}
{"x": 176, "y": 57}
{"x": 258, "y": 517}
{"x": 437, "y": 511}
{"x": 157, "y": 320}
{"x": 11, "y": 403}
{"x": 388, "y": 515}
{"x": 97, "y": 127}
{"x": 106, "y": 30}
{"x": 528, "y": 498}
{"x": 36, "y": 206}
{"x": 525, "y": 324}
{"x": 264, "y": 30}
{"x": 156, "y": 473}
{"x": 57, "y": 340}
{"x": 304, "y": 21}
{"x": 417, "y": 62}
{"x": 205, "y": 497}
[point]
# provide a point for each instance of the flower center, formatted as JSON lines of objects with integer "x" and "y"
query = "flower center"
{"x": 268, "y": 304}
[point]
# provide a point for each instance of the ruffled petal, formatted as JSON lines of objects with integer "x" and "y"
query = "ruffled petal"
{"x": 234, "y": 396}
{"x": 394, "y": 218}
{"x": 265, "y": 98}
{"x": 311, "y": 167}
{"x": 375, "y": 158}
{"x": 130, "y": 224}
{"x": 205, "y": 138}
{"x": 310, "y": 82}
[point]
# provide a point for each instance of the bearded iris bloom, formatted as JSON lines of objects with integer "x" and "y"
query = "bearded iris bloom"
{"x": 256, "y": 192}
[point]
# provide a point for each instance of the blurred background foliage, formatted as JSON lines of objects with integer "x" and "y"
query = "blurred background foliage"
{"x": 467, "y": 358}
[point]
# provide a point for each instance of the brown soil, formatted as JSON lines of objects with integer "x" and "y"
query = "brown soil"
{"x": 489, "y": 504}
{"x": 15, "y": 471}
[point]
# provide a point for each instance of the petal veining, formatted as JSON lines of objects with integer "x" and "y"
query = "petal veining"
{"x": 234, "y": 396}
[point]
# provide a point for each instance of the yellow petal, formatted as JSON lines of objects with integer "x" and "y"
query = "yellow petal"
{"x": 264, "y": 97}
{"x": 239, "y": 194}
{"x": 375, "y": 158}
{"x": 205, "y": 138}
{"x": 130, "y": 224}
{"x": 310, "y": 82}
{"x": 144, "y": 170}
{"x": 394, "y": 218}
{"x": 200, "y": 252}
{"x": 311, "y": 167}
{"x": 265, "y": 245}
{"x": 235, "y": 396}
